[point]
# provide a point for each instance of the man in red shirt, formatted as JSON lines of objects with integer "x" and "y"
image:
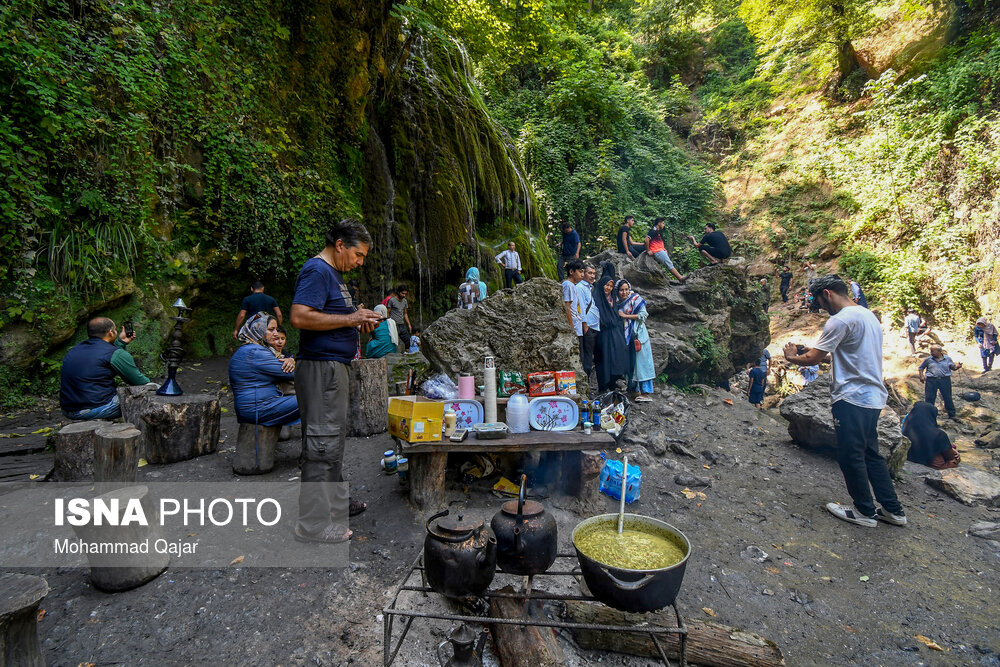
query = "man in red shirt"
{"x": 656, "y": 247}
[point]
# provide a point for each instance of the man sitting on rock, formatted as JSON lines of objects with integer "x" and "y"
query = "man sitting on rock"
{"x": 656, "y": 247}
{"x": 87, "y": 379}
{"x": 853, "y": 338}
{"x": 714, "y": 245}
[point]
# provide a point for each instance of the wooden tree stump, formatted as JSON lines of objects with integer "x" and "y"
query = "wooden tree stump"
{"x": 427, "y": 479}
{"x": 369, "y": 409}
{"x": 74, "y": 450}
{"x": 523, "y": 645}
{"x": 710, "y": 644}
{"x": 175, "y": 428}
{"x": 116, "y": 455}
{"x": 255, "y": 449}
{"x": 123, "y": 571}
{"x": 19, "y": 598}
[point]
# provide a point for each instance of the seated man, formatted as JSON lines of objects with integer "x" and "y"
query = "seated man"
{"x": 714, "y": 245}
{"x": 658, "y": 249}
{"x": 87, "y": 379}
{"x": 255, "y": 372}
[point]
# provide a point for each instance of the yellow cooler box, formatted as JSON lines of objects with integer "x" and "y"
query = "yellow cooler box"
{"x": 416, "y": 419}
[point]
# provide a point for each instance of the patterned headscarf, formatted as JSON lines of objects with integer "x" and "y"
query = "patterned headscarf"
{"x": 254, "y": 330}
{"x": 390, "y": 323}
{"x": 632, "y": 304}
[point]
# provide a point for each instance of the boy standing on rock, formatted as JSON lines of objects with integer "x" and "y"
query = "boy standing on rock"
{"x": 853, "y": 338}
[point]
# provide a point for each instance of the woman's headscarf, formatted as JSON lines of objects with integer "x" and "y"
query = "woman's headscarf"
{"x": 254, "y": 330}
{"x": 630, "y": 306}
{"x": 472, "y": 275}
{"x": 927, "y": 440}
{"x": 390, "y": 323}
{"x": 605, "y": 308}
{"x": 989, "y": 332}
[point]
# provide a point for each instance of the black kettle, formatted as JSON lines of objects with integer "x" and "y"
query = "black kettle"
{"x": 460, "y": 556}
{"x": 527, "y": 537}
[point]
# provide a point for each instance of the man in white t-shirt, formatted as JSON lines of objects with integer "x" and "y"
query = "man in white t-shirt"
{"x": 571, "y": 297}
{"x": 591, "y": 324}
{"x": 913, "y": 323}
{"x": 853, "y": 338}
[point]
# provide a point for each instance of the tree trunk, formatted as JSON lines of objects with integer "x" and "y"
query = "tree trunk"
{"x": 847, "y": 60}
{"x": 176, "y": 428}
{"x": 116, "y": 455}
{"x": 368, "y": 413}
{"x": 523, "y": 645}
{"x": 120, "y": 572}
{"x": 19, "y": 598}
{"x": 74, "y": 450}
{"x": 255, "y": 449}
{"x": 710, "y": 644}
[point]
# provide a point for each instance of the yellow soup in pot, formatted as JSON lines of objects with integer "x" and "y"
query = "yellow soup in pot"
{"x": 639, "y": 547}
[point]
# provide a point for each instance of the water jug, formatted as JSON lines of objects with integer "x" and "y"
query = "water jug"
{"x": 517, "y": 414}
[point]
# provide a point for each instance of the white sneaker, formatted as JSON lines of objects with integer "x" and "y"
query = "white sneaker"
{"x": 849, "y": 514}
{"x": 889, "y": 517}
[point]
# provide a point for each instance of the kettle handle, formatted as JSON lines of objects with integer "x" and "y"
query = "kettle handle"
{"x": 518, "y": 545}
{"x": 445, "y": 538}
{"x": 439, "y": 655}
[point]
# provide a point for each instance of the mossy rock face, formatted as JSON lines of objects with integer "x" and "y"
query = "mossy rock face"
{"x": 441, "y": 174}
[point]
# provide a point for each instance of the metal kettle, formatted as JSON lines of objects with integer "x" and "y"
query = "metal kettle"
{"x": 460, "y": 556}
{"x": 466, "y": 651}
{"x": 527, "y": 537}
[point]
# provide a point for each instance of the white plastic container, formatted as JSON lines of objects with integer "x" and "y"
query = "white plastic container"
{"x": 517, "y": 414}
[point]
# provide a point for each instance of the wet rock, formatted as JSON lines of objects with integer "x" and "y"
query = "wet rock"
{"x": 810, "y": 424}
{"x": 976, "y": 413}
{"x": 967, "y": 485}
{"x": 677, "y": 448}
{"x": 669, "y": 464}
{"x": 524, "y": 328}
{"x": 692, "y": 480}
{"x": 657, "y": 445}
{"x": 985, "y": 530}
{"x": 710, "y": 457}
{"x": 989, "y": 439}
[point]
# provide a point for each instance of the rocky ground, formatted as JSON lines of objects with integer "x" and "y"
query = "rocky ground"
{"x": 766, "y": 558}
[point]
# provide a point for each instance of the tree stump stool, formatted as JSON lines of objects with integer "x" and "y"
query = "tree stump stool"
{"x": 175, "y": 428}
{"x": 112, "y": 572}
{"x": 74, "y": 450}
{"x": 116, "y": 456}
{"x": 255, "y": 449}
{"x": 19, "y": 598}
{"x": 368, "y": 413}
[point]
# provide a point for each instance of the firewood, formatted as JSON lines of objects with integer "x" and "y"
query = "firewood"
{"x": 710, "y": 644}
{"x": 523, "y": 645}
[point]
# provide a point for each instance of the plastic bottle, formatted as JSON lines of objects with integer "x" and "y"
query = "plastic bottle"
{"x": 595, "y": 415}
{"x": 450, "y": 422}
{"x": 584, "y": 413}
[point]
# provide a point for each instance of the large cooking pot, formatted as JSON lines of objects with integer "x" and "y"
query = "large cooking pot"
{"x": 460, "y": 555}
{"x": 633, "y": 590}
{"x": 527, "y": 537}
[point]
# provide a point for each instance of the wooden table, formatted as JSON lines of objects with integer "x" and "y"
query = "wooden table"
{"x": 428, "y": 460}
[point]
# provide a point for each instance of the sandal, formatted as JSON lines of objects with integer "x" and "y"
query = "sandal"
{"x": 333, "y": 534}
{"x": 356, "y": 507}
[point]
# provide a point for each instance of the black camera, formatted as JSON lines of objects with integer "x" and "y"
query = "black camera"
{"x": 800, "y": 349}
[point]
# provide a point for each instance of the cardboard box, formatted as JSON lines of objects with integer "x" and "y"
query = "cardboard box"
{"x": 542, "y": 384}
{"x": 415, "y": 418}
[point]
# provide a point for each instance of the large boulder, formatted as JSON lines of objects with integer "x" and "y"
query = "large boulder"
{"x": 702, "y": 330}
{"x": 810, "y": 424}
{"x": 968, "y": 486}
{"x": 524, "y": 328}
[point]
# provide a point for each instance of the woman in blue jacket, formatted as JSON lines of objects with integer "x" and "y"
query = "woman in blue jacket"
{"x": 254, "y": 374}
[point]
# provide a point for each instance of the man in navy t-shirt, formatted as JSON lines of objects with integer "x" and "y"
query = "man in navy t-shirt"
{"x": 569, "y": 247}
{"x": 328, "y": 320}
{"x": 257, "y": 302}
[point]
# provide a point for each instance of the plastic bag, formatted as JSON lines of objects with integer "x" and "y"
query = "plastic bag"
{"x": 440, "y": 386}
{"x": 612, "y": 421}
{"x": 611, "y": 481}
